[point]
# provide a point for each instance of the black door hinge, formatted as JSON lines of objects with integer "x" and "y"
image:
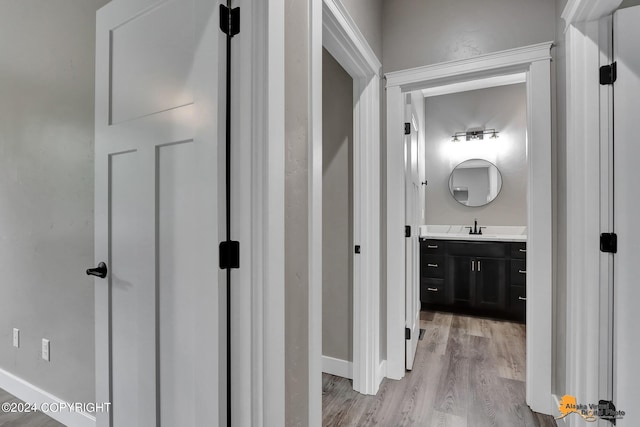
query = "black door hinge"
{"x": 607, "y": 411}
{"x": 608, "y": 74}
{"x": 609, "y": 243}
{"x": 407, "y": 231}
{"x": 229, "y": 20}
{"x": 229, "y": 254}
{"x": 407, "y": 333}
{"x": 357, "y": 249}
{"x": 407, "y": 128}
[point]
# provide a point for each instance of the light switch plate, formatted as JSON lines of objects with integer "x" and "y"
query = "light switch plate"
{"x": 16, "y": 337}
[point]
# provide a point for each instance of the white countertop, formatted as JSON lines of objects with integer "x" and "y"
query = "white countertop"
{"x": 490, "y": 233}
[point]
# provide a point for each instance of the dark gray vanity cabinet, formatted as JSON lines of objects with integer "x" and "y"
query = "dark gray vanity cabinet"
{"x": 476, "y": 276}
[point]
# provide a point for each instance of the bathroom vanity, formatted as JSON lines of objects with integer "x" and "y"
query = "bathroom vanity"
{"x": 481, "y": 274}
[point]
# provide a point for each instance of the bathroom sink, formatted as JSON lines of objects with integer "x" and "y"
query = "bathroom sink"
{"x": 460, "y": 232}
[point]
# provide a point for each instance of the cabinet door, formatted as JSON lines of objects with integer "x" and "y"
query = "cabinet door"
{"x": 491, "y": 280}
{"x": 460, "y": 277}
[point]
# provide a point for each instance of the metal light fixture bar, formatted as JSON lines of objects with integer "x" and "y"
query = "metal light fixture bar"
{"x": 475, "y": 135}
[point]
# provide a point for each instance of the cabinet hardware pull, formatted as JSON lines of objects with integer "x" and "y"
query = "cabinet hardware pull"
{"x": 522, "y": 298}
{"x": 473, "y": 265}
{"x": 432, "y": 265}
{"x": 522, "y": 271}
{"x": 522, "y": 250}
{"x": 432, "y": 246}
{"x": 478, "y": 265}
{"x": 432, "y": 289}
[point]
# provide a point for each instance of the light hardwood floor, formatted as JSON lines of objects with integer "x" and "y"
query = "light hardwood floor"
{"x": 468, "y": 372}
{"x": 13, "y": 419}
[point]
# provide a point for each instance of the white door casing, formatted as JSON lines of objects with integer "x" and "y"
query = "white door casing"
{"x": 626, "y": 373}
{"x": 412, "y": 285}
{"x": 158, "y": 336}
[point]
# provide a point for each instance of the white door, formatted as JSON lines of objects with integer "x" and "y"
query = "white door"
{"x": 412, "y": 291}
{"x": 626, "y": 393}
{"x": 158, "y": 337}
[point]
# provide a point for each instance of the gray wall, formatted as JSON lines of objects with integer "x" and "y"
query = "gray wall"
{"x": 337, "y": 210}
{"x": 46, "y": 191}
{"x": 422, "y": 32}
{"x": 296, "y": 212}
{"x": 502, "y": 108}
{"x": 367, "y": 15}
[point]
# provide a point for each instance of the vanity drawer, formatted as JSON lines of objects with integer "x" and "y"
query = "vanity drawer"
{"x": 477, "y": 249}
{"x": 518, "y": 298}
{"x": 518, "y": 272}
{"x": 433, "y": 247}
{"x": 519, "y": 250}
{"x": 433, "y": 266}
{"x": 432, "y": 291}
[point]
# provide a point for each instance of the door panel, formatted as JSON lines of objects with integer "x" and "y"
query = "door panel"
{"x": 626, "y": 207}
{"x": 132, "y": 296}
{"x": 412, "y": 245}
{"x": 158, "y": 323}
{"x": 178, "y": 283}
{"x": 152, "y": 58}
{"x": 460, "y": 276}
{"x": 491, "y": 281}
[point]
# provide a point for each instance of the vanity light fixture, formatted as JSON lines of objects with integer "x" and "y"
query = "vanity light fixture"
{"x": 475, "y": 135}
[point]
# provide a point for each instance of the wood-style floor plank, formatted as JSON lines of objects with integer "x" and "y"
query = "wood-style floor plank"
{"x": 468, "y": 372}
{"x": 27, "y": 419}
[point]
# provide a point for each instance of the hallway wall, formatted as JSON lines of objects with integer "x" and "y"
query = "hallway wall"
{"x": 422, "y": 32}
{"x": 367, "y": 15}
{"x": 296, "y": 99}
{"x": 47, "y": 52}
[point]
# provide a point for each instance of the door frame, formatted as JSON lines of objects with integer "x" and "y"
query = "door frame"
{"x": 535, "y": 61}
{"x": 260, "y": 223}
{"x": 333, "y": 28}
{"x": 589, "y": 129}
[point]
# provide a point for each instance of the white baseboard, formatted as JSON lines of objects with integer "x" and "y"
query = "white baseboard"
{"x": 337, "y": 367}
{"x": 29, "y": 393}
{"x": 556, "y": 402}
{"x": 382, "y": 372}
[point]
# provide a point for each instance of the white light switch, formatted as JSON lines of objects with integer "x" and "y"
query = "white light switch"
{"x": 45, "y": 349}
{"x": 16, "y": 337}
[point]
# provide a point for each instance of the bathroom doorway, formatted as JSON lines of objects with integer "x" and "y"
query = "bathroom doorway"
{"x": 531, "y": 65}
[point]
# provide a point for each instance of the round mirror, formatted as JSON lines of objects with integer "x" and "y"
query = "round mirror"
{"x": 475, "y": 182}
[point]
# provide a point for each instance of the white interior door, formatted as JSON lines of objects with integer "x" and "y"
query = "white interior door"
{"x": 626, "y": 393}
{"x": 412, "y": 292}
{"x": 158, "y": 336}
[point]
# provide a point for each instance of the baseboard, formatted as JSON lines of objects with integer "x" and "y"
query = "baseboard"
{"x": 556, "y": 402}
{"x": 337, "y": 367}
{"x": 29, "y": 393}
{"x": 382, "y": 372}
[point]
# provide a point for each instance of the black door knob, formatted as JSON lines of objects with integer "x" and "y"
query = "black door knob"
{"x": 100, "y": 271}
